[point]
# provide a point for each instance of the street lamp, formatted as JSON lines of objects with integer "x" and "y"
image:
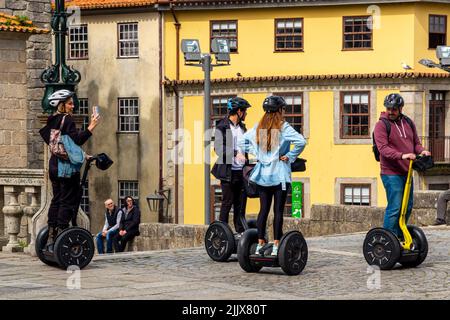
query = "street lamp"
{"x": 443, "y": 54}
{"x": 193, "y": 57}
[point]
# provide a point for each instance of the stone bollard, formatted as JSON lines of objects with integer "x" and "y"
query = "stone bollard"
{"x": 13, "y": 214}
{"x": 30, "y": 211}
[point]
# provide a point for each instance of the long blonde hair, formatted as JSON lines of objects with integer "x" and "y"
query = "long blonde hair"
{"x": 268, "y": 130}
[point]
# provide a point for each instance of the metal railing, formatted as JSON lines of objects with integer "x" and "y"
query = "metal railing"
{"x": 438, "y": 146}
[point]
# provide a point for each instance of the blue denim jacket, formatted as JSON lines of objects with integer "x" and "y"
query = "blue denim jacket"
{"x": 66, "y": 169}
{"x": 270, "y": 170}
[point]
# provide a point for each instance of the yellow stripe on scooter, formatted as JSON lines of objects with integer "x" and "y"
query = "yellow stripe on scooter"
{"x": 402, "y": 222}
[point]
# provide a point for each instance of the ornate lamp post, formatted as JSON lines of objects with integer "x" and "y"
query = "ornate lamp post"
{"x": 59, "y": 75}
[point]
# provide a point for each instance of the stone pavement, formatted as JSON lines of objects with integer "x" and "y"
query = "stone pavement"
{"x": 336, "y": 269}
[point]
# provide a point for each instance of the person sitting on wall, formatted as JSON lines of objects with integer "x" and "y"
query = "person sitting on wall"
{"x": 443, "y": 199}
{"x": 113, "y": 216}
{"x": 129, "y": 225}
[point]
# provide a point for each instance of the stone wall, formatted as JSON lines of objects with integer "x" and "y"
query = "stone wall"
{"x": 34, "y": 55}
{"x": 325, "y": 220}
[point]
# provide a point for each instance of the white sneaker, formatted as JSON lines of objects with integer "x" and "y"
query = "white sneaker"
{"x": 258, "y": 247}
{"x": 274, "y": 251}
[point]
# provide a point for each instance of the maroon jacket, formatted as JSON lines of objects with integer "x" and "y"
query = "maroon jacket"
{"x": 402, "y": 139}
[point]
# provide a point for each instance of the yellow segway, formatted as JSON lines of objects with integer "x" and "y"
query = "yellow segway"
{"x": 382, "y": 247}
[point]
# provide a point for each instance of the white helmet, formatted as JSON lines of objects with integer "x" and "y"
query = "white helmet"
{"x": 59, "y": 96}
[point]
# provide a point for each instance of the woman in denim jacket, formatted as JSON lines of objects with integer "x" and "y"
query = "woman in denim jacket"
{"x": 270, "y": 141}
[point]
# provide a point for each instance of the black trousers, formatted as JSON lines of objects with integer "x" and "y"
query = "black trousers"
{"x": 265, "y": 199}
{"x": 233, "y": 194}
{"x": 65, "y": 201}
{"x": 120, "y": 242}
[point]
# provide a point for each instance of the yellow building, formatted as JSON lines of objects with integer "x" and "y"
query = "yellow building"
{"x": 334, "y": 61}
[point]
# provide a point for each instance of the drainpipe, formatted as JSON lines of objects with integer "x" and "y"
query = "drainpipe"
{"x": 177, "y": 25}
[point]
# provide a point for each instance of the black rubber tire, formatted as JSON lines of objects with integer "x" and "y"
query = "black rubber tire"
{"x": 293, "y": 253}
{"x": 74, "y": 247}
{"x": 247, "y": 245}
{"x": 420, "y": 242}
{"x": 219, "y": 241}
{"x": 41, "y": 241}
{"x": 381, "y": 248}
{"x": 252, "y": 224}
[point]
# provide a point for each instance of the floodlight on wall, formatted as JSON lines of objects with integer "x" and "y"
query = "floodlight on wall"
{"x": 443, "y": 54}
{"x": 221, "y": 48}
{"x": 428, "y": 63}
{"x": 191, "y": 50}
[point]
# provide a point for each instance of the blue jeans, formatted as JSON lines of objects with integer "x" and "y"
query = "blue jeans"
{"x": 395, "y": 185}
{"x": 109, "y": 241}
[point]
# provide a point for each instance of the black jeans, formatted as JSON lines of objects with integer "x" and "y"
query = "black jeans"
{"x": 265, "y": 199}
{"x": 120, "y": 242}
{"x": 233, "y": 194}
{"x": 65, "y": 201}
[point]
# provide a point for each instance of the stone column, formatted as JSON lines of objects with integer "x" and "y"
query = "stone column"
{"x": 13, "y": 214}
{"x": 30, "y": 211}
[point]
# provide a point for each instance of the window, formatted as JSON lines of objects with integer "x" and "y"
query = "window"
{"x": 437, "y": 31}
{"x": 355, "y": 194}
{"x": 355, "y": 116}
{"x": 219, "y": 108}
{"x": 294, "y": 110}
{"x": 357, "y": 33}
{"x": 128, "y": 115}
{"x": 84, "y": 111}
{"x": 225, "y": 29}
{"x": 289, "y": 34}
{"x": 128, "y": 188}
{"x": 85, "y": 198}
{"x": 128, "y": 40}
{"x": 78, "y": 42}
{"x": 439, "y": 186}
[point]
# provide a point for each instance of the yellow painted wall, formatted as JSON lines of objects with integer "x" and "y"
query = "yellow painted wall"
{"x": 393, "y": 42}
{"x": 421, "y": 51}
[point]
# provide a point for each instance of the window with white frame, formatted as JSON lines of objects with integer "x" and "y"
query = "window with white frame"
{"x": 83, "y": 110}
{"x": 219, "y": 108}
{"x": 78, "y": 42}
{"x": 128, "y": 189}
{"x": 84, "y": 204}
{"x": 225, "y": 29}
{"x": 128, "y": 115}
{"x": 355, "y": 115}
{"x": 128, "y": 40}
{"x": 355, "y": 194}
{"x": 294, "y": 110}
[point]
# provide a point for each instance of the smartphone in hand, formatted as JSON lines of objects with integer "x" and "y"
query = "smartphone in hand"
{"x": 96, "y": 111}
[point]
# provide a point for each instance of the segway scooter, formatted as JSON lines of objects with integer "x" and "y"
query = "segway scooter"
{"x": 74, "y": 245}
{"x": 384, "y": 249}
{"x": 292, "y": 253}
{"x": 221, "y": 242}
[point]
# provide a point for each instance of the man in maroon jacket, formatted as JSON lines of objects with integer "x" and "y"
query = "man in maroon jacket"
{"x": 396, "y": 148}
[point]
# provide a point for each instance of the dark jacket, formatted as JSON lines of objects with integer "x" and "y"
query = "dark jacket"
{"x": 223, "y": 146}
{"x": 53, "y": 122}
{"x": 130, "y": 221}
{"x": 402, "y": 139}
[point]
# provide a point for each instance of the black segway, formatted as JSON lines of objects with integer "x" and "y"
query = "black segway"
{"x": 384, "y": 249}
{"x": 292, "y": 253}
{"x": 74, "y": 245}
{"x": 221, "y": 242}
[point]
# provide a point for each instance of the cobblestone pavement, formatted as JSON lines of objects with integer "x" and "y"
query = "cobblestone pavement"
{"x": 336, "y": 269}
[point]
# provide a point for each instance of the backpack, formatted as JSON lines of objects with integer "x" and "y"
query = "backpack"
{"x": 55, "y": 144}
{"x": 386, "y": 122}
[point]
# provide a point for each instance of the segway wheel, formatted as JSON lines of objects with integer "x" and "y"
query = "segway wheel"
{"x": 219, "y": 241}
{"x": 381, "y": 248}
{"x": 293, "y": 253}
{"x": 252, "y": 224}
{"x": 247, "y": 246}
{"x": 41, "y": 241}
{"x": 420, "y": 244}
{"x": 74, "y": 247}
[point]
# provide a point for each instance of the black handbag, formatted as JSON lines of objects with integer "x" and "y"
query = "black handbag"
{"x": 299, "y": 165}
{"x": 251, "y": 189}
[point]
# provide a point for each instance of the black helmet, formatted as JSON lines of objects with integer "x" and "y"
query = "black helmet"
{"x": 234, "y": 104}
{"x": 103, "y": 162}
{"x": 394, "y": 100}
{"x": 273, "y": 104}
